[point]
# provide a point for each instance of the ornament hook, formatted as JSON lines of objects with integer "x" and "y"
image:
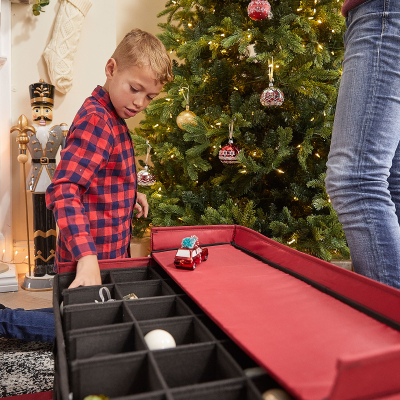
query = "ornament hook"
{"x": 231, "y": 132}
{"x": 186, "y": 97}
{"x": 148, "y": 151}
{"x": 271, "y": 71}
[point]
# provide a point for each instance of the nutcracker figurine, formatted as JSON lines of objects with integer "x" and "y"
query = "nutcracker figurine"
{"x": 44, "y": 142}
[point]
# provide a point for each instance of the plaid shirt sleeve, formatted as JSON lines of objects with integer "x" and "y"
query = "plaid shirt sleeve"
{"x": 87, "y": 150}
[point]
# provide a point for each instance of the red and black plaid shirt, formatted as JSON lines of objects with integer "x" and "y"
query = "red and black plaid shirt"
{"x": 94, "y": 187}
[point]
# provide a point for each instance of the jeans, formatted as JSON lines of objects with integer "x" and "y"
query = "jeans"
{"x": 28, "y": 325}
{"x": 363, "y": 177}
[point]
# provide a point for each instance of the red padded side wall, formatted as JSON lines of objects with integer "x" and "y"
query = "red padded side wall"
{"x": 163, "y": 238}
{"x": 376, "y": 296}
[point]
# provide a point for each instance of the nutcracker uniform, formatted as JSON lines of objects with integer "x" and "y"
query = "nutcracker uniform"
{"x": 43, "y": 146}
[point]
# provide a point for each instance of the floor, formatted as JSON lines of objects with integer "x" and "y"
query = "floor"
{"x": 27, "y": 299}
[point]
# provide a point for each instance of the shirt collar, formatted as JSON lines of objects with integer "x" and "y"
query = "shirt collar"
{"x": 104, "y": 98}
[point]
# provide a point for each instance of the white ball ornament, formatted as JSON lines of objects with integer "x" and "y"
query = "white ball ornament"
{"x": 159, "y": 339}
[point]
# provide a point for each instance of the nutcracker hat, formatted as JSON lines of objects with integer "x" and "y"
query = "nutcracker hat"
{"x": 41, "y": 93}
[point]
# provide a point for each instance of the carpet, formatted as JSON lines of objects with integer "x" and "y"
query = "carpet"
{"x": 25, "y": 367}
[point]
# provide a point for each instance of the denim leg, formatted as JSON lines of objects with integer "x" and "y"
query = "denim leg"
{"x": 28, "y": 325}
{"x": 363, "y": 177}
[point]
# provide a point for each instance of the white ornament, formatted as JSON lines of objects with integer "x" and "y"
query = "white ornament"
{"x": 159, "y": 339}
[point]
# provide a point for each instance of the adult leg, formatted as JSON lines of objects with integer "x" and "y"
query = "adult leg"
{"x": 28, "y": 325}
{"x": 365, "y": 140}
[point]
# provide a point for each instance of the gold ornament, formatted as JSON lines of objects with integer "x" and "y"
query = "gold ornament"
{"x": 186, "y": 117}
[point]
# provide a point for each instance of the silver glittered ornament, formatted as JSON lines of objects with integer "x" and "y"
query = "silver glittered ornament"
{"x": 229, "y": 153}
{"x": 144, "y": 177}
{"x": 271, "y": 96}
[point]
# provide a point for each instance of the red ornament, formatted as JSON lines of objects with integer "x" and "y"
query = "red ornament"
{"x": 145, "y": 178}
{"x": 229, "y": 153}
{"x": 272, "y": 97}
{"x": 258, "y": 10}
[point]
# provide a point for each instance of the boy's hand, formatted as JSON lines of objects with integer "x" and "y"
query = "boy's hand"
{"x": 141, "y": 205}
{"x": 87, "y": 272}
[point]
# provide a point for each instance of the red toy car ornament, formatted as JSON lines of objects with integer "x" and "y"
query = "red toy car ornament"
{"x": 190, "y": 253}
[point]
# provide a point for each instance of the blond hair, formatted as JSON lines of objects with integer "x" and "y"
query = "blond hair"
{"x": 144, "y": 49}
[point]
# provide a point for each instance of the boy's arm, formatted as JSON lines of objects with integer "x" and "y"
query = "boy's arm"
{"x": 87, "y": 272}
{"x": 88, "y": 148}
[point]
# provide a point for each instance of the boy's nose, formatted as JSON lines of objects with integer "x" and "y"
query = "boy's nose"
{"x": 138, "y": 101}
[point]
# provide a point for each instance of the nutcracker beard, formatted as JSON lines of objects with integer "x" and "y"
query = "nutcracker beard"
{"x": 44, "y": 227}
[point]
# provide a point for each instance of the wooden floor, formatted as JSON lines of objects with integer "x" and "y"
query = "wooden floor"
{"x": 26, "y": 299}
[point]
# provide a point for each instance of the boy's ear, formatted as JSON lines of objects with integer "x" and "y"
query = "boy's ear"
{"x": 111, "y": 68}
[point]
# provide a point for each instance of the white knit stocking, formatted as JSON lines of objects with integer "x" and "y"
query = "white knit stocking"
{"x": 59, "y": 54}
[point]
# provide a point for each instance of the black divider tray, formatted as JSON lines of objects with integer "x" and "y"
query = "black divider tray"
{"x": 101, "y": 347}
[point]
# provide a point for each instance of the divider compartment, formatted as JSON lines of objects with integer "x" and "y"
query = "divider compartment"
{"x": 236, "y": 390}
{"x": 86, "y": 294}
{"x": 86, "y": 316}
{"x": 115, "y": 376}
{"x": 143, "y": 289}
{"x": 185, "y": 330}
{"x": 112, "y": 339}
{"x": 195, "y": 364}
{"x": 133, "y": 274}
{"x": 160, "y": 307}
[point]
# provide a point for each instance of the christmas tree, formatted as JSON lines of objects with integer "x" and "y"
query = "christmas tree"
{"x": 225, "y": 62}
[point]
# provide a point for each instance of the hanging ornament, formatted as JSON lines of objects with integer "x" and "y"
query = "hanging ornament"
{"x": 258, "y": 10}
{"x": 229, "y": 153}
{"x": 144, "y": 177}
{"x": 271, "y": 96}
{"x": 187, "y": 116}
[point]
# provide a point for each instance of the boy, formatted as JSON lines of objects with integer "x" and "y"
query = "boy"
{"x": 94, "y": 189}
